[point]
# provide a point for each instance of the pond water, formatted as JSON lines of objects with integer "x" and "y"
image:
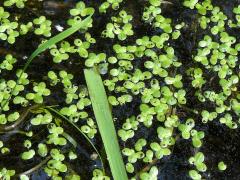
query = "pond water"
{"x": 220, "y": 143}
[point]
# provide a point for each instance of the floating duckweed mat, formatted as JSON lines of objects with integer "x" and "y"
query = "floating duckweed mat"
{"x": 170, "y": 70}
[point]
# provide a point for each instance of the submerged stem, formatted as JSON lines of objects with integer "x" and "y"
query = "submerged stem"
{"x": 38, "y": 166}
{"x": 189, "y": 109}
{"x": 14, "y": 132}
{"x": 7, "y": 128}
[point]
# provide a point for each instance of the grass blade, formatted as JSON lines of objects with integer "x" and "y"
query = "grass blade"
{"x": 105, "y": 123}
{"x": 59, "y": 37}
{"x": 79, "y": 130}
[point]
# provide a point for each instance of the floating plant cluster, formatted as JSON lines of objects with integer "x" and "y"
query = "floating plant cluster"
{"x": 160, "y": 88}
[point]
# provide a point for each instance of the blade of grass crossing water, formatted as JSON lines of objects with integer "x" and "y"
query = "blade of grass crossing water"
{"x": 59, "y": 37}
{"x": 79, "y": 130}
{"x": 105, "y": 123}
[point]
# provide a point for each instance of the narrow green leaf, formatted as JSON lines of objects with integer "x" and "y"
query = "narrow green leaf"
{"x": 105, "y": 123}
{"x": 78, "y": 129}
{"x": 59, "y": 37}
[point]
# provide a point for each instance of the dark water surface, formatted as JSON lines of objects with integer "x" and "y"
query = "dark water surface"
{"x": 220, "y": 143}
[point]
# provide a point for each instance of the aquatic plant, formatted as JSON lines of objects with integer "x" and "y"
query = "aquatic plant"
{"x": 114, "y": 4}
{"x": 120, "y": 26}
{"x": 222, "y": 166}
{"x": 137, "y": 79}
{"x": 19, "y": 3}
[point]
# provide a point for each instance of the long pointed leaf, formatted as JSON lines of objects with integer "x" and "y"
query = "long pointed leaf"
{"x": 105, "y": 123}
{"x": 79, "y": 130}
{"x": 59, "y": 37}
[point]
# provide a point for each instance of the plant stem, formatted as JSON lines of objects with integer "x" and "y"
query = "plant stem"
{"x": 13, "y": 132}
{"x": 188, "y": 109}
{"x": 75, "y": 126}
{"x": 146, "y": 168}
{"x": 7, "y": 128}
{"x": 35, "y": 167}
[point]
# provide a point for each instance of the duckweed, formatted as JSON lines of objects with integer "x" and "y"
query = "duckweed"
{"x": 170, "y": 82}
